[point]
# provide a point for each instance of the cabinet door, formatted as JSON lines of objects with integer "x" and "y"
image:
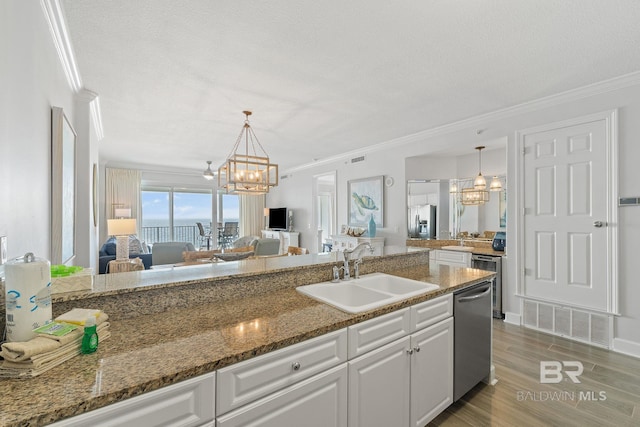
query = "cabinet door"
{"x": 431, "y": 372}
{"x": 320, "y": 401}
{"x": 254, "y": 378}
{"x": 453, "y": 258}
{"x": 379, "y": 386}
{"x": 188, "y": 403}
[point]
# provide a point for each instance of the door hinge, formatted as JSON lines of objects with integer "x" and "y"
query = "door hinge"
{"x": 526, "y": 150}
{"x": 526, "y": 271}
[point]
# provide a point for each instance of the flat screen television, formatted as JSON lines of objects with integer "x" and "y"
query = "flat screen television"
{"x": 278, "y": 218}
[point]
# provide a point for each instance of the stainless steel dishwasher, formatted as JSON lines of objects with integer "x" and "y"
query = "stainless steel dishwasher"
{"x": 472, "y": 337}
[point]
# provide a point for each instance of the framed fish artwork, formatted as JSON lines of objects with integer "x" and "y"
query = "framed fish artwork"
{"x": 366, "y": 198}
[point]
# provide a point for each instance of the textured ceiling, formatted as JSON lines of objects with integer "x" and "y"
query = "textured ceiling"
{"x": 325, "y": 77}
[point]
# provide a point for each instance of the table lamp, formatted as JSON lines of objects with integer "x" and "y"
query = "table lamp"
{"x": 121, "y": 228}
{"x": 266, "y": 218}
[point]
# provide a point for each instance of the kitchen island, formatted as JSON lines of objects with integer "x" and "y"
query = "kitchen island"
{"x": 181, "y": 323}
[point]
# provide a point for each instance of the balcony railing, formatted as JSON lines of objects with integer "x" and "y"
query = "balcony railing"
{"x": 181, "y": 233}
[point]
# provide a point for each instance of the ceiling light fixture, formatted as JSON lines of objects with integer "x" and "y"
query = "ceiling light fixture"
{"x": 496, "y": 184}
{"x": 480, "y": 183}
{"x": 478, "y": 195}
{"x": 248, "y": 171}
{"x": 208, "y": 173}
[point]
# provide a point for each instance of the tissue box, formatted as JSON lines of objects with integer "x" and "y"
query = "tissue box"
{"x": 79, "y": 281}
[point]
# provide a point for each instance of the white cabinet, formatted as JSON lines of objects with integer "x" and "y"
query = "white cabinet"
{"x": 379, "y": 393}
{"x": 287, "y": 238}
{"x": 255, "y": 378}
{"x": 452, "y": 258}
{"x": 319, "y": 401}
{"x": 409, "y": 381}
{"x": 188, "y": 403}
{"x": 431, "y": 372}
{"x": 340, "y": 242}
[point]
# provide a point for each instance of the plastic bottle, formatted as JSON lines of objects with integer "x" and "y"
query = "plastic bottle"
{"x": 90, "y": 337}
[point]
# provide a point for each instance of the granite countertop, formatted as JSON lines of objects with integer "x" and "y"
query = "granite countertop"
{"x": 151, "y": 351}
{"x": 480, "y": 247}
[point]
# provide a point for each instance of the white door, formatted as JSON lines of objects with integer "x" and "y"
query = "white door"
{"x": 567, "y": 213}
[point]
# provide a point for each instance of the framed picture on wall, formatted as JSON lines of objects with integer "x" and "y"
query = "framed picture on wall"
{"x": 63, "y": 188}
{"x": 366, "y": 198}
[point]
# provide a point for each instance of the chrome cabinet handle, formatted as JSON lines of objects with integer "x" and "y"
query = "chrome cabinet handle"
{"x": 598, "y": 224}
{"x": 417, "y": 348}
{"x": 410, "y": 351}
{"x": 296, "y": 366}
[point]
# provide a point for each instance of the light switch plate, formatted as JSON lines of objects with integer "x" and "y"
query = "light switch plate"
{"x": 3, "y": 249}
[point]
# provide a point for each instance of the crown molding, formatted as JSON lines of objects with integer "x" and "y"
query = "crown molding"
{"x": 593, "y": 89}
{"x": 54, "y": 16}
{"x": 60, "y": 34}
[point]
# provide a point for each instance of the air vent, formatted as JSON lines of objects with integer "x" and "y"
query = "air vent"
{"x": 358, "y": 159}
{"x": 568, "y": 322}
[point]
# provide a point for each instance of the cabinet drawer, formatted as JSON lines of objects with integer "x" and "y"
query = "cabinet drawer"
{"x": 319, "y": 401}
{"x": 374, "y": 333}
{"x": 454, "y": 257}
{"x": 431, "y": 312}
{"x": 188, "y": 403}
{"x": 249, "y": 380}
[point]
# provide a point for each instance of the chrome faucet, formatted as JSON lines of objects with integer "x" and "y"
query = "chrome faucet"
{"x": 355, "y": 252}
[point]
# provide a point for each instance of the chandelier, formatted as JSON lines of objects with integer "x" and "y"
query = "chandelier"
{"x": 247, "y": 169}
{"x": 478, "y": 194}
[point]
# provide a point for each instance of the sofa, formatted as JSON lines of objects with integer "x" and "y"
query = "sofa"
{"x": 267, "y": 246}
{"x": 108, "y": 253}
{"x": 169, "y": 252}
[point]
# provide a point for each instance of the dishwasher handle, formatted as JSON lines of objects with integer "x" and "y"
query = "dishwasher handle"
{"x": 474, "y": 297}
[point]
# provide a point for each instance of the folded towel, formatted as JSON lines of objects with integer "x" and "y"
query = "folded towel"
{"x": 28, "y": 370}
{"x": 44, "y": 359}
{"x": 22, "y": 350}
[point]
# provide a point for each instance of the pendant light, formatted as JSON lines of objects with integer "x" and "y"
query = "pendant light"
{"x": 496, "y": 184}
{"x": 478, "y": 195}
{"x": 247, "y": 169}
{"x": 208, "y": 173}
{"x": 480, "y": 183}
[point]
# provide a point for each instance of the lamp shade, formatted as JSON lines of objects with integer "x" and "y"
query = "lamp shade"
{"x": 123, "y": 213}
{"x": 266, "y": 211}
{"x": 121, "y": 227}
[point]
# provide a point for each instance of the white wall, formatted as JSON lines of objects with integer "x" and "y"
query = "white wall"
{"x": 31, "y": 82}
{"x": 295, "y": 192}
{"x": 503, "y": 125}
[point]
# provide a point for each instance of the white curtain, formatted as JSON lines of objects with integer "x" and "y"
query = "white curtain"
{"x": 251, "y": 214}
{"x": 123, "y": 191}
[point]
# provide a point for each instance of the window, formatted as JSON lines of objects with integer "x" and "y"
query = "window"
{"x": 228, "y": 208}
{"x": 171, "y": 215}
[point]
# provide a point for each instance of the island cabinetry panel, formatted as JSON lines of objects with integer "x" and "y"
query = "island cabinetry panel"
{"x": 188, "y": 403}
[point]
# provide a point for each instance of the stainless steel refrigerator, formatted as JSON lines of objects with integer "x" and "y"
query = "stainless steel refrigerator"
{"x": 422, "y": 221}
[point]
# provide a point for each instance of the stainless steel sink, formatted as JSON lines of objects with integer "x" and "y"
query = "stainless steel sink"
{"x": 366, "y": 293}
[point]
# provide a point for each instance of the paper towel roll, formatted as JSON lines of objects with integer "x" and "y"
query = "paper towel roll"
{"x": 27, "y": 296}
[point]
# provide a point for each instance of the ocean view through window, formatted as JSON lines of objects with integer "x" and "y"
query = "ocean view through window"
{"x": 171, "y": 215}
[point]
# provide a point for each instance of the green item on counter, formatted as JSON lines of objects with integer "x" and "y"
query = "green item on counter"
{"x": 57, "y": 329}
{"x": 90, "y": 337}
{"x": 61, "y": 270}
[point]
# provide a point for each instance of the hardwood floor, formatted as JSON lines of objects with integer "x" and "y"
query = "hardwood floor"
{"x": 608, "y": 393}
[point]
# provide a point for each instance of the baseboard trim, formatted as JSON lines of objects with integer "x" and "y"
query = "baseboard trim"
{"x": 629, "y": 348}
{"x": 512, "y": 318}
